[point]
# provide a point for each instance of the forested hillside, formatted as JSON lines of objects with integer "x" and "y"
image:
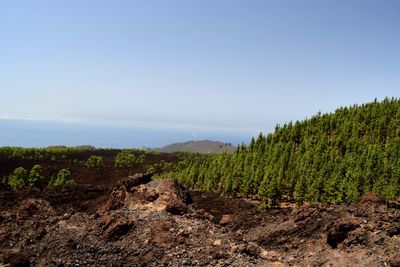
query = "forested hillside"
{"x": 333, "y": 158}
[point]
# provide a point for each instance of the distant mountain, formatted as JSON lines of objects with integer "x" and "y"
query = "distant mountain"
{"x": 203, "y": 146}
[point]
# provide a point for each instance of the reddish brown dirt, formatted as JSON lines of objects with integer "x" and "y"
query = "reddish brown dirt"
{"x": 159, "y": 223}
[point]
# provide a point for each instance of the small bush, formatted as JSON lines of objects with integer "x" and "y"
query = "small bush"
{"x": 94, "y": 161}
{"x": 35, "y": 175}
{"x": 151, "y": 169}
{"x": 125, "y": 159}
{"x": 63, "y": 178}
{"x": 19, "y": 178}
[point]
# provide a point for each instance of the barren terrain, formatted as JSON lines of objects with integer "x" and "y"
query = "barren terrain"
{"x": 117, "y": 219}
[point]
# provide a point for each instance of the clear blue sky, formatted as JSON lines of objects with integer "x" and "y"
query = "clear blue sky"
{"x": 237, "y": 67}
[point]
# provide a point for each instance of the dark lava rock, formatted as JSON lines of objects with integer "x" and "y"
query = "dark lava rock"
{"x": 17, "y": 260}
{"x": 338, "y": 233}
{"x": 117, "y": 229}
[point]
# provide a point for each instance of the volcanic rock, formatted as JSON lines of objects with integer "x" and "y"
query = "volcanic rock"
{"x": 226, "y": 219}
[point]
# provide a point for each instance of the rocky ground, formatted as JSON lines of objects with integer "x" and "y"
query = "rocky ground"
{"x": 140, "y": 222}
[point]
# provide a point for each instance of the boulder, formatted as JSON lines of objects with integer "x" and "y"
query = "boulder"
{"x": 171, "y": 196}
{"x": 159, "y": 195}
{"x": 120, "y": 194}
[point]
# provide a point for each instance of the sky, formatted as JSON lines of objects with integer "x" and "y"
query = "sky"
{"x": 128, "y": 73}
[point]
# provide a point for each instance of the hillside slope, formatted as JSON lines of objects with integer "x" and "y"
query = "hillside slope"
{"x": 203, "y": 146}
{"x": 334, "y": 158}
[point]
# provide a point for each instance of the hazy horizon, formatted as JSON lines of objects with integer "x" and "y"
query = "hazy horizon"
{"x": 151, "y": 73}
{"x": 43, "y": 134}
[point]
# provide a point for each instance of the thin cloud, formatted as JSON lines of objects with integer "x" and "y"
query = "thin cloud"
{"x": 36, "y": 118}
{"x": 124, "y": 123}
